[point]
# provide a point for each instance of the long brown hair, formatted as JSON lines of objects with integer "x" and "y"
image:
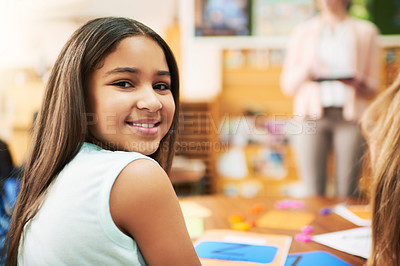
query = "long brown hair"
{"x": 381, "y": 126}
{"x": 61, "y": 126}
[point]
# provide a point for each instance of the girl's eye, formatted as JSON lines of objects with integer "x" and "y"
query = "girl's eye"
{"x": 122, "y": 84}
{"x": 161, "y": 87}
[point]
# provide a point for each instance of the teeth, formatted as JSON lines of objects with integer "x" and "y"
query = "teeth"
{"x": 143, "y": 125}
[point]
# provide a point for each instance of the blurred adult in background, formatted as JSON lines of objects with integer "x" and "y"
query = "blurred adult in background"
{"x": 332, "y": 70}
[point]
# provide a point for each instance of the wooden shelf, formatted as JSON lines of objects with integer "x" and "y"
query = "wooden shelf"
{"x": 253, "y": 88}
{"x": 198, "y": 137}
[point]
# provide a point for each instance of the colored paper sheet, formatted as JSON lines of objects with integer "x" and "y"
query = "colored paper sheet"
{"x": 236, "y": 252}
{"x": 357, "y": 241}
{"x": 195, "y": 226}
{"x": 190, "y": 208}
{"x": 357, "y": 214}
{"x": 314, "y": 258}
{"x": 284, "y": 219}
{"x": 236, "y": 248}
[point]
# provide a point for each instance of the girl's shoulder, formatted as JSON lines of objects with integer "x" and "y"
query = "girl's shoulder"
{"x": 144, "y": 170}
{"x": 144, "y": 188}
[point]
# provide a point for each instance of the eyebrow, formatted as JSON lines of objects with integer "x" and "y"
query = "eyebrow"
{"x": 163, "y": 73}
{"x": 134, "y": 71}
{"x": 122, "y": 70}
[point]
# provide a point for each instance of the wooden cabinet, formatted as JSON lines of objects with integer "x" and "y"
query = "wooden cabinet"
{"x": 198, "y": 139}
{"x": 390, "y": 66}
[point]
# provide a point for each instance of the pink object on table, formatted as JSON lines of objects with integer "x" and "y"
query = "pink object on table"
{"x": 289, "y": 204}
{"x": 303, "y": 237}
{"x": 307, "y": 229}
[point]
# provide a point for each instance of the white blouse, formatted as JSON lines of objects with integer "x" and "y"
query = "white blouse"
{"x": 335, "y": 49}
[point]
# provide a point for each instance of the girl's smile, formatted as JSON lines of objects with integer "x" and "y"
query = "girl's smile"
{"x": 145, "y": 127}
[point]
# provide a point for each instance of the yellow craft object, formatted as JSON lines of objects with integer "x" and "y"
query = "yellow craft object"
{"x": 236, "y": 218}
{"x": 241, "y": 226}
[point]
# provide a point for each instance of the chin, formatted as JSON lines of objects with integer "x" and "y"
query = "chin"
{"x": 147, "y": 152}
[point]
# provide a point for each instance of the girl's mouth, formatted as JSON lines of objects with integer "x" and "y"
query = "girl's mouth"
{"x": 148, "y": 125}
{"x": 146, "y": 128}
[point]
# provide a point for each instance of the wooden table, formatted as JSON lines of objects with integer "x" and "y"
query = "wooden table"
{"x": 222, "y": 207}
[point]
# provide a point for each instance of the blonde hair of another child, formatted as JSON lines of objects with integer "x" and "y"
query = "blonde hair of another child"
{"x": 381, "y": 127}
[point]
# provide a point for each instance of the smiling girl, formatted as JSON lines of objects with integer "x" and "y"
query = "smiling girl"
{"x": 95, "y": 189}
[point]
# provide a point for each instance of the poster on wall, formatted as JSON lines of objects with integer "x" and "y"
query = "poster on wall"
{"x": 222, "y": 17}
{"x": 278, "y": 17}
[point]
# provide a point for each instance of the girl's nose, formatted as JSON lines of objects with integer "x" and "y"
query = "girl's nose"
{"x": 149, "y": 99}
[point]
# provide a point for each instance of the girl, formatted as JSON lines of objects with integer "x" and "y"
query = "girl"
{"x": 381, "y": 126}
{"x": 95, "y": 189}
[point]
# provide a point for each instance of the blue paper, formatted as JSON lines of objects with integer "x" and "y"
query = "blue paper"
{"x": 314, "y": 258}
{"x": 236, "y": 252}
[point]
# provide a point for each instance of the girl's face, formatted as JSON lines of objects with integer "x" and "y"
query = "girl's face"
{"x": 130, "y": 104}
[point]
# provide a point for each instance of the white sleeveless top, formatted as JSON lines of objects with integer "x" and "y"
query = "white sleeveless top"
{"x": 74, "y": 224}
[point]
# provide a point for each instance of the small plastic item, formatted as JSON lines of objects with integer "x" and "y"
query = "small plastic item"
{"x": 282, "y": 204}
{"x": 236, "y": 218}
{"x": 325, "y": 211}
{"x": 297, "y": 204}
{"x": 303, "y": 237}
{"x": 256, "y": 209}
{"x": 241, "y": 226}
{"x": 307, "y": 229}
{"x": 289, "y": 204}
{"x": 252, "y": 223}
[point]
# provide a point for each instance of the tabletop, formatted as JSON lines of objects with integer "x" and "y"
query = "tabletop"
{"x": 222, "y": 207}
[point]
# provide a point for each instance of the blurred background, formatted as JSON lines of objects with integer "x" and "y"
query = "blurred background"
{"x": 235, "y": 123}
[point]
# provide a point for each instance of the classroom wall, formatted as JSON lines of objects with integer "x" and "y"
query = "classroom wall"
{"x": 201, "y": 64}
{"x": 35, "y": 31}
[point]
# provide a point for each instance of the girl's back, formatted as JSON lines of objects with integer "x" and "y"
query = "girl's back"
{"x": 74, "y": 224}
